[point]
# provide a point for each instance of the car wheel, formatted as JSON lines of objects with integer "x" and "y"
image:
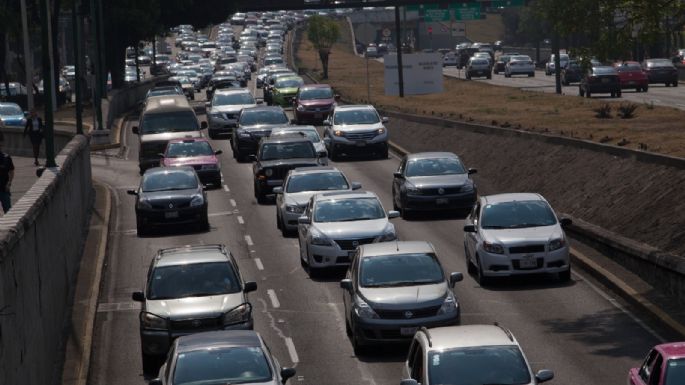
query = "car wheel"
{"x": 618, "y": 94}
{"x": 532, "y": 74}
{"x": 151, "y": 365}
{"x": 333, "y": 154}
{"x": 565, "y": 276}
{"x": 394, "y": 202}
{"x": 282, "y": 227}
{"x": 613, "y": 94}
{"x": 480, "y": 277}
{"x": 359, "y": 349}
{"x": 204, "y": 223}
{"x": 348, "y": 329}
{"x": 261, "y": 198}
{"x": 675, "y": 84}
{"x": 141, "y": 229}
{"x": 496, "y": 72}
{"x": 384, "y": 153}
{"x": 489, "y": 76}
{"x": 668, "y": 84}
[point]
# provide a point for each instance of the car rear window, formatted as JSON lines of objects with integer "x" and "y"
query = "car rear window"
{"x": 320, "y": 181}
{"x": 224, "y": 365}
{"x": 400, "y": 270}
{"x": 603, "y": 71}
{"x": 192, "y": 280}
{"x": 188, "y": 149}
{"x": 478, "y": 365}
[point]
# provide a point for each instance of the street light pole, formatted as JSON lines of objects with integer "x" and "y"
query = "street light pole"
{"x": 77, "y": 67}
{"x": 28, "y": 56}
{"x": 398, "y": 41}
{"x": 97, "y": 72}
{"x": 48, "y": 82}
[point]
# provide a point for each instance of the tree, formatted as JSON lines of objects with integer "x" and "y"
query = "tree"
{"x": 323, "y": 33}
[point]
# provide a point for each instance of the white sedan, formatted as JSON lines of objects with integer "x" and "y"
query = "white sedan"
{"x": 519, "y": 65}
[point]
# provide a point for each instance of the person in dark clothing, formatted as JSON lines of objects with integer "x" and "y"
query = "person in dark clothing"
{"x": 6, "y": 176}
{"x": 34, "y": 130}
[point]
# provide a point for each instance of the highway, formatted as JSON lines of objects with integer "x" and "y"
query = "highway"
{"x": 577, "y": 329}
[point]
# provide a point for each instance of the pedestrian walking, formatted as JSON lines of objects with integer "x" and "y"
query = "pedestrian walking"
{"x": 6, "y": 176}
{"x": 34, "y": 130}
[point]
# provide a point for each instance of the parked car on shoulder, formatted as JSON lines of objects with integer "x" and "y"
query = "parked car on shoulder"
{"x": 572, "y": 73}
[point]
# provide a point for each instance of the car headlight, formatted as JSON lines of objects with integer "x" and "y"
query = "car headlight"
{"x": 493, "y": 248}
{"x": 339, "y": 133}
{"x": 300, "y": 108}
{"x": 197, "y": 200}
{"x": 151, "y": 321}
{"x": 212, "y": 166}
{"x": 467, "y": 188}
{"x": 216, "y": 115}
{"x": 449, "y": 305}
{"x": 556, "y": 244}
{"x": 319, "y": 239}
{"x": 363, "y": 310}
{"x": 388, "y": 234}
{"x": 413, "y": 190}
{"x": 239, "y": 314}
{"x": 268, "y": 172}
{"x": 243, "y": 134}
{"x": 381, "y": 130}
{"x": 294, "y": 209}
{"x": 144, "y": 203}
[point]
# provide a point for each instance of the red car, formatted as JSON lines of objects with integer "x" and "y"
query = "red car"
{"x": 631, "y": 75}
{"x": 664, "y": 365}
{"x": 196, "y": 153}
{"x": 313, "y": 103}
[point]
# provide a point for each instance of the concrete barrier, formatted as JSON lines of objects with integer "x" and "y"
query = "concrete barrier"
{"x": 41, "y": 240}
{"x": 17, "y": 144}
{"x": 124, "y": 99}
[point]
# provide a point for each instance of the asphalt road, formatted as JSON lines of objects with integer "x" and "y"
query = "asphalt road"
{"x": 576, "y": 329}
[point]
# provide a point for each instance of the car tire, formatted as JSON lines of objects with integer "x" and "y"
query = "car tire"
{"x": 333, "y": 154}
{"x": 204, "y": 223}
{"x": 645, "y": 88}
{"x": 141, "y": 229}
{"x": 284, "y": 230}
{"x": 667, "y": 84}
{"x": 480, "y": 277}
{"x": 312, "y": 271}
{"x": 613, "y": 94}
{"x": 532, "y": 74}
{"x": 151, "y": 365}
{"x": 385, "y": 152}
{"x": 348, "y": 329}
{"x": 261, "y": 198}
{"x": 496, "y": 72}
{"x": 565, "y": 276}
{"x": 358, "y": 348}
{"x": 675, "y": 84}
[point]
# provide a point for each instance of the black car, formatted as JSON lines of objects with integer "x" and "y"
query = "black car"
{"x": 661, "y": 71}
{"x": 221, "y": 83}
{"x": 501, "y": 62}
{"x": 275, "y": 157}
{"x": 600, "y": 79}
{"x": 170, "y": 195}
{"x": 433, "y": 181}
{"x": 572, "y": 73}
{"x": 254, "y": 124}
{"x": 222, "y": 357}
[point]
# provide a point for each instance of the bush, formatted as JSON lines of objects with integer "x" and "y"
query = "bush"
{"x": 627, "y": 110}
{"x": 603, "y": 111}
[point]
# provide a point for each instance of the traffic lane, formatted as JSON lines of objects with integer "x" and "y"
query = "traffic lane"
{"x": 569, "y": 328}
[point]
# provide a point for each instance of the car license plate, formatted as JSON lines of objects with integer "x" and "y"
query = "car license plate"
{"x": 408, "y": 331}
{"x": 528, "y": 263}
{"x": 361, "y": 143}
{"x": 171, "y": 214}
{"x": 605, "y": 80}
{"x": 441, "y": 201}
{"x": 631, "y": 82}
{"x": 318, "y": 116}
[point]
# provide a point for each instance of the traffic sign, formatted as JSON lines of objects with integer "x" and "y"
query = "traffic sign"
{"x": 466, "y": 11}
{"x": 433, "y": 13}
{"x": 507, "y": 3}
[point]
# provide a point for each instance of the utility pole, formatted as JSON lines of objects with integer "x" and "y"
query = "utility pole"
{"x": 398, "y": 41}
{"x": 101, "y": 45}
{"x": 28, "y": 56}
{"x": 97, "y": 72}
{"x": 48, "y": 82}
{"x": 76, "y": 26}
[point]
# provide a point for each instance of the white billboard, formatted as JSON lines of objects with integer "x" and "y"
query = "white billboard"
{"x": 422, "y": 74}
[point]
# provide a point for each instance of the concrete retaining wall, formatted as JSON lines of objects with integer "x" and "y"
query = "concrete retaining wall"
{"x": 16, "y": 144}
{"x": 41, "y": 242}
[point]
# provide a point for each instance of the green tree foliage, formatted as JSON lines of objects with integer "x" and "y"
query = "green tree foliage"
{"x": 323, "y": 33}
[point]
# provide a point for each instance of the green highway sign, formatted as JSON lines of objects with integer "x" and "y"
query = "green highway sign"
{"x": 507, "y": 3}
{"x": 466, "y": 11}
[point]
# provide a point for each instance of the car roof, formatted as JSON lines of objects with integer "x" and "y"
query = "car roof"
{"x": 229, "y": 91}
{"x": 313, "y": 170}
{"x": 188, "y": 140}
{"x": 344, "y": 195}
{"x": 672, "y": 349}
{"x": 354, "y": 107}
{"x": 222, "y": 338}
{"x": 395, "y": 248}
{"x": 465, "y": 336}
{"x": 509, "y": 197}
{"x": 166, "y": 103}
{"x": 431, "y": 155}
{"x": 192, "y": 254}
{"x": 9, "y": 104}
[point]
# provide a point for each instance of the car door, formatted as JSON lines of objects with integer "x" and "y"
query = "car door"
{"x": 348, "y": 296}
{"x": 302, "y": 229}
{"x": 398, "y": 182}
{"x": 471, "y": 239}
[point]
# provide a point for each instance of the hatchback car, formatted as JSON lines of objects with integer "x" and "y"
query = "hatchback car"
{"x": 299, "y": 186}
{"x": 223, "y": 110}
{"x": 631, "y": 75}
{"x": 393, "y": 288}
{"x": 433, "y": 181}
{"x": 478, "y": 67}
{"x": 313, "y": 103}
{"x": 335, "y": 223}
{"x": 196, "y": 153}
{"x": 254, "y": 123}
{"x": 514, "y": 234}
{"x": 600, "y": 79}
{"x": 519, "y": 65}
{"x": 170, "y": 195}
{"x": 309, "y": 132}
{"x": 12, "y": 115}
{"x": 190, "y": 289}
{"x": 284, "y": 89}
{"x": 470, "y": 354}
{"x": 664, "y": 365}
{"x": 223, "y": 357}
{"x": 661, "y": 71}
{"x": 355, "y": 129}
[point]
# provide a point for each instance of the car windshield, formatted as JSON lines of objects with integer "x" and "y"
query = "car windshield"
{"x": 320, "y": 181}
{"x": 479, "y": 62}
{"x": 10, "y": 110}
{"x": 169, "y": 180}
{"x": 316, "y": 93}
{"x": 169, "y": 122}
{"x": 188, "y": 149}
{"x": 221, "y": 366}
{"x": 192, "y": 280}
{"x": 400, "y": 270}
{"x": 517, "y": 214}
{"x": 232, "y": 99}
{"x": 346, "y": 210}
{"x": 675, "y": 372}
{"x": 357, "y": 116}
{"x": 252, "y": 118}
{"x": 434, "y": 166}
{"x": 272, "y": 151}
{"x": 501, "y": 365}
{"x": 164, "y": 91}
{"x": 288, "y": 83}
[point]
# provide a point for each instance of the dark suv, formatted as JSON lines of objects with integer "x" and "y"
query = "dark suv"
{"x": 275, "y": 157}
{"x": 253, "y": 124}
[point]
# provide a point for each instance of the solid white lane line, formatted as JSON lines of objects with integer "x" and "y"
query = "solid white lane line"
{"x": 220, "y": 213}
{"x": 291, "y": 350}
{"x": 258, "y": 262}
{"x": 273, "y": 298}
{"x": 240, "y": 220}
{"x": 248, "y": 240}
{"x": 232, "y": 202}
{"x": 226, "y": 189}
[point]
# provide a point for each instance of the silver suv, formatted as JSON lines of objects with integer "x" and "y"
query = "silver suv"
{"x": 190, "y": 289}
{"x": 473, "y": 354}
{"x": 355, "y": 129}
{"x": 393, "y": 288}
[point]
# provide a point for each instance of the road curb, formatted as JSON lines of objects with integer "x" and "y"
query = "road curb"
{"x": 78, "y": 351}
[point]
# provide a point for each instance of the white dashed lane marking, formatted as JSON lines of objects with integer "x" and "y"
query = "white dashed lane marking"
{"x": 258, "y": 262}
{"x": 291, "y": 350}
{"x": 248, "y": 240}
{"x": 273, "y": 298}
{"x": 232, "y": 202}
{"x": 226, "y": 189}
{"x": 240, "y": 220}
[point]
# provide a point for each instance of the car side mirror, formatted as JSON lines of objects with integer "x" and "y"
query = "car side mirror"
{"x": 346, "y": 284}
{"x": 327, "y": 122}
{"x": 131, "y": 192}
{"x": 356, "y": 185}
{"x": 409, "y": 381}
{"x": 218, "y": 152}
{"x": 249, "y": 286}
{"x": 544, "y": 375}
{"x": 565, "y": 222}
{"x": 469, "y": 228}
{"x": 278, "y": 190}
{"x": 287, "y": 373}
{"x": 203, "y": 125}
{"x": 135, "y": 129}
{"x": 456, "y": 277}
{"x": 138, "y": 296}
{"x": 252, "y": 157}
{"x": 472, "y": 171}
{"x": 156, "y": 381}
{"x": 398, "y": 174}
{"x": 304, "y": 221}
{"x": 393, "y": 214}
{"x": 385, "y": 119}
